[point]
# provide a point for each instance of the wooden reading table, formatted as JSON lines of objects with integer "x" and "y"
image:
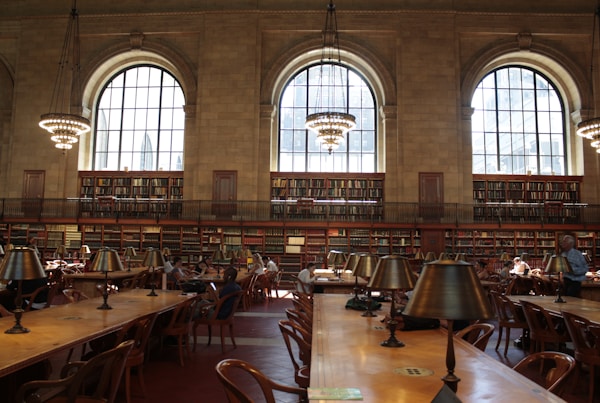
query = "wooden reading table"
{"x": 65, "y": 326}
{"x": 579, "y": 306}
{"x": 346, "y": 354}
{"x": 87, "y": 282}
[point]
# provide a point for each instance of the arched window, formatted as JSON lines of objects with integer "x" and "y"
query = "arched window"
{"x": 299, "y": 150}
{"x": 140, "y": 121}
{"x": 518, "y": 126}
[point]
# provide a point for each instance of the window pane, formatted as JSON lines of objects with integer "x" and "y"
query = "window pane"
{"x": 529, "y": 110}
{"x": 139, "y": 106}
{"x": 339, "y": 89}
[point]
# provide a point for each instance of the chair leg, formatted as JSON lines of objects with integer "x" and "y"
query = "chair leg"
{"x": 141, "y": 380}
{"x": 222, "y": 339}
{"x": 507, "y": 341}
{"x": 194, "y": 335}
{"x": 209, "y": 335}
{"x": 231, "y": 335}
{"x": 128, "y": 384}
{"x": 500, "y": 329}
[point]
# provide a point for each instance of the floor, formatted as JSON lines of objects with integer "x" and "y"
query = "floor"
{"x": 259, "y": 341}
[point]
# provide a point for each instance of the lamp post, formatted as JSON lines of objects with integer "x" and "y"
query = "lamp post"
{"x": 153, "y": 259}
{"x": 450, "y": 290}
{"x": 106, "y": 260}
{"x": 20, "y": 263}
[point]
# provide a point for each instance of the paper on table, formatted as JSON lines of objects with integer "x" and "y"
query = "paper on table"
{"x": 334, "y": 394}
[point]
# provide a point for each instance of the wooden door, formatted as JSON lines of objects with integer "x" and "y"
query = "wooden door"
{"x": 224, "y": 193}
{"x": 431, "y": 196}
{"x": 433, "y": 241}
{"x": 33, "y": 192}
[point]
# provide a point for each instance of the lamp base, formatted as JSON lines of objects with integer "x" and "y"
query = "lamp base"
{"x": 104, "y": 306}
{"x": 559, "y": 300}
{"x": 17, "y": 329}
{"x": 392, "y": 342}
{"x": 152, "y": 292}
{"x": 451, "y": 381}
{"x": 368, "y": 314}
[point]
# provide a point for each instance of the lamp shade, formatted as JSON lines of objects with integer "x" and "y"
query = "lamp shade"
{"x": 459, "y": 256}
{"x": 247, "y": 253}
{"x": 21, "y": 263}
{"x": 430, "y": 257}
{"x": 419, "y": 255}
{"x": 61, "y": 250}
{"x": 352, "y": 261}
{"x": 1, "y": 250}
{"x": 84, "y": 250}
{"x": 546, "y": 258}
{"x": 218, "y": 255}
{"x": 129, "y": 252}
{"x": 166, "y": 251}
{"x": 558, "y": 264}
{"x": 392, "y": 273}
{"x": 153, "y": 258}
{"x": 107, "y": 260}
{"x": 336, "y": 258}
{"x": 449, "y": 289}
{"x": 365, "y": 266}
{"x": 443, "y": 256}
{"x": 505, "y": 257}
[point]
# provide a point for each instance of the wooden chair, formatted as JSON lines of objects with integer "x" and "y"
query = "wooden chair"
{"x": 301, "y": 319}
{"x": 296, "y": 344}
{"x": 215, "y": 317}
{"x": 230, "y": 370}
{"x": 247, "y": 285}
{"x": 510, "y": 316}
{"x": 139, "y": 331}
{"x": 4, "y": 312}
{"x": 74, "y": 295}
{"x": 549, "y": 369}
{"x": 586, "y": 343}
{"x": 544, "y": 327}
{"x": 180, "y": 324}
{"x": 477, "y": 334}
{"x": 302, "y": 287}
{"x": 137, "y": 281}
{"x": 30, "y": 299}
{"x": 95, "y": 380}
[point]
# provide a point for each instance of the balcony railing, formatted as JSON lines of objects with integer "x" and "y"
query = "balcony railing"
{"x": 85, "y": 210}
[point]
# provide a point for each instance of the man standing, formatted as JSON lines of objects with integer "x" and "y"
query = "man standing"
{"x": 572, "y": 281}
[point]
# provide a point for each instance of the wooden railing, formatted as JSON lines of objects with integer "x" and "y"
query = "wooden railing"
{"x": 87, "y": 209}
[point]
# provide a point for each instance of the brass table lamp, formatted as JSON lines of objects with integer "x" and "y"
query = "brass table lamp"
{"x": 128, "y": 254}
{"x": 365, "y": 267}
{"x": 20, "y": 263}
{"x": 393, "y": 273}
{"x": 218, "y": 258}
{"x": 430, "y": 257}
{"x": 336, "y": 260}
{"x": 152, "y": 260}
{"x": 351, "y": 265}
{"x": 84, "y": 253}
{"x": 449, "y": 290}
{"x": 106, "y": 260}
{"x": 558, "y": 264}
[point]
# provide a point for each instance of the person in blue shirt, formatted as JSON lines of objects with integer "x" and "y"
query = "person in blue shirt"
{"x": 572, "y": 281}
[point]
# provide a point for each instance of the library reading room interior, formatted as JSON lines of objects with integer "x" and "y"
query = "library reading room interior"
{"x": 377, "y": 140}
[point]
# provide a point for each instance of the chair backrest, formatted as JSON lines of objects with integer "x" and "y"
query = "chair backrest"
{"x": 301, "y": 319}
{"x": 97, "y": 379}
{"x": 584, "y": 334}
{"x": 183, "y": 312}
{"x": 227, "y": 306}
{"x": 477, "y": 334}
{"x": 301, "y": 286}
{"x": 298, "y": 348}
{"x": 231, "y": 370}
{"x": 541, "y": 323}
{"x": 139, "y": 331}
{"x": 30, "y": 299}
{"x": 74, "y": 295}
{"x": 549, "y": 369}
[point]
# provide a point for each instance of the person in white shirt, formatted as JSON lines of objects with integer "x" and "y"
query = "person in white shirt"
{"x": 307, "y": 278}
{"x": 520, "y": 267}
{"x": 258, "y": 266}
{"x": 270, "y": 264}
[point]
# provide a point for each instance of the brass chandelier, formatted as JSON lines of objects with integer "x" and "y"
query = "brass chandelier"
{"x": 64, "y": 126}
{"x": 329, "y": 124}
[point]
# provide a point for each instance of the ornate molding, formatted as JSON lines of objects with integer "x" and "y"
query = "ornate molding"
{"x": 388, "y": 112}
{"x": 524, "y": 39}
{"x": 267, "y": 111}
{"x": 136, "y": 40}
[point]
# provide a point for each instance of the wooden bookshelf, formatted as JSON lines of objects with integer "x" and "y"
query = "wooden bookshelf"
{"x": 336, "y": 197}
